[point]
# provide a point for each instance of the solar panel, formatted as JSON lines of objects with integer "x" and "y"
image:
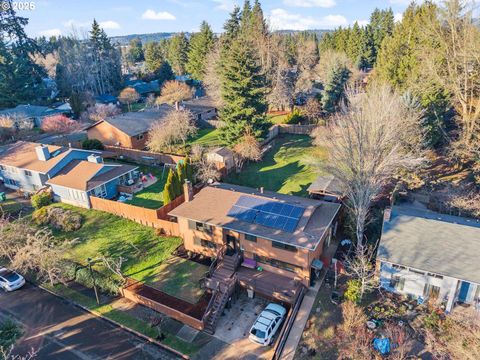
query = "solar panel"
{"x": 266, "y": 212}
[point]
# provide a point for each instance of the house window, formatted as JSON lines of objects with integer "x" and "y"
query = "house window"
{"x": 283, "y": 246}
{"x": 416, "y": 272}
{"x": 204, "y": 243}
{"x": 28, "y": 173}
{"x": 277, "y": 263}
{"x": 397, "y": 282}
{"x": 398, "y": 267}
{"x": 436, "y": 276}
{"x": 12, "y": 182}
{"x": 251, "y": 238}
{"x": 199, "y": 226}
{"x": 140, "y": 137}
{"x": 431, "y": 291}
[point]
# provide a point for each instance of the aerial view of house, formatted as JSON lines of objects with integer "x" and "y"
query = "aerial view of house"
{"x": 282, "y": 234}
{"x": 255, "y": 179}
{"x": 430, "y": 255}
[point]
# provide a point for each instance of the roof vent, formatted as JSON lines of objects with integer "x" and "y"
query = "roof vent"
{"x": 93, "y": 158}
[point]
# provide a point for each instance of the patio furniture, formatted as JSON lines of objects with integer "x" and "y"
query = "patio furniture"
{"x": 249, "y": 263}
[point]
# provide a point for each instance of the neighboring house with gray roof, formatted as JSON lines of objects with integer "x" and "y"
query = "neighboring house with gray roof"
{"x": 326, "y": 187}
{"x": 430, "y": 255}
{"x": 29, "y": 116}
{"x": 130, "y": 129}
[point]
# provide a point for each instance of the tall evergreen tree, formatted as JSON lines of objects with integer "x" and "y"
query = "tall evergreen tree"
{"x": 153, "y": 56}
{"x": 232, "y": 25}
{"x": 381, "y": 25}
{"x": 243, "y": 92}
{"x": 200, "y": 45}
{"x": 178, "y": 53}
{"x": 135, "y": 51}
{"x": 334, "y": 89}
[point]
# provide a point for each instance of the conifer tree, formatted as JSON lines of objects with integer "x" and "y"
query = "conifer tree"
{"x": 243, "y": 92}
{"x": 334, "y": 89}
{"x": 178, "y": 53}
{"x": 200, "y": 45}
{"x": 153, "y": 56}
{"x": 168, "y": 191}
{"x": 176, "y": 184}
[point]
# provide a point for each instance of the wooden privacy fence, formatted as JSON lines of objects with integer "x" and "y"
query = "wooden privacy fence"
{"x": 144, "y": 157}
{"x": 165, "y": 304}
{"x": 149, "y": 217}
{"x": 277, "y": 129}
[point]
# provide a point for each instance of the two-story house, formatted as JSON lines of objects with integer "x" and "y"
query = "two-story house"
{"x": 275, "y": 233}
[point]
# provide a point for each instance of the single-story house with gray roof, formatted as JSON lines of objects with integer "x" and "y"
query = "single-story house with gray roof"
{"x": 129, "y": 130}
{"x": 430, "y": 255}
{"x": 29, "y": 116}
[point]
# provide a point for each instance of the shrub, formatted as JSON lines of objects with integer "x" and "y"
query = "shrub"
{"x": 106, "y": 284}
{"x": 10, "y": 331}
{"x": 92, "y": 144}
{"x": 295, "y": 117}
{"x": 353, "y": 290}
{"x": 432, "y": 320}
{"x": 41, "y": 199}
{"x": 40, "y": 216}
{"x": 58, "y": 218}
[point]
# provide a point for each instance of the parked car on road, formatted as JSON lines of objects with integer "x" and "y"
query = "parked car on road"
{"x": 10, "y": 280}
{"x": 267, "y": 324}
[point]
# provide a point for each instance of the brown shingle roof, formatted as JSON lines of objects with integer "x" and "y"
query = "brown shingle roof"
{"x": 22, "y": 154}
{"x": 212, "y": 204}
{"x": 82, "y": 174}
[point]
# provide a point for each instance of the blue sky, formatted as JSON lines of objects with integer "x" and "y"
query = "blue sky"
{"x": 122, "y": 17}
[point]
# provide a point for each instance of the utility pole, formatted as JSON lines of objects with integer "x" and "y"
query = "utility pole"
{"x": 93, "y": 278}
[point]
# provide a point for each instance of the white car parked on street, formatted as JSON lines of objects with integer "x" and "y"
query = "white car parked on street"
{"x": 10, "y": 280}
{"x": 267, "y": 324}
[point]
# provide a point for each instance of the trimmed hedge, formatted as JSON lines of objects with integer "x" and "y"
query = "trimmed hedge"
{"x": 41, "y": 199}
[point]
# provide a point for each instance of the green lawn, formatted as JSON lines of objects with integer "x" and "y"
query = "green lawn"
{"x": 104, "y": 234}
{"x": 284, "y": 168}
{"x": 152, "y": 196}
{"x": 177, "y": 277}
{"x": 277, "y": 119}
{"x": 207, "y": 137}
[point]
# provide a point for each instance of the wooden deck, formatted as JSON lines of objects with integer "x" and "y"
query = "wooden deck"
{"x": 269, "y": 284}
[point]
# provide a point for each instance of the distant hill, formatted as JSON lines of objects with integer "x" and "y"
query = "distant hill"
{"x": 125, "y": 39}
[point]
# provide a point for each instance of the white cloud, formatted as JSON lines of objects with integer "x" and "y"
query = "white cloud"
{"x": 226, "y": 5}
{"x": 109, "y": 24}
{"x": 161, "y": 15}
{"x": 281, "y": 19}
{"x": 51, "y": 32}
{"x": 310, "y": 3}
{"x": 76, "y": 24}
{"x": 398, "y": 17}
{"x": 362, "y": 22}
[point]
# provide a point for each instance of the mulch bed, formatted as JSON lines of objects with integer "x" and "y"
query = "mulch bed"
{"x": 181, "y": 252}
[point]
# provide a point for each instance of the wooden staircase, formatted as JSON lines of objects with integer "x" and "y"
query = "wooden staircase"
{"x": 223, "y": 282}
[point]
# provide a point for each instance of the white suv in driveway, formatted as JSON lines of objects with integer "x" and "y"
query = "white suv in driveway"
{"x": 267, "y": 324}
{"x": 10, "y": 280}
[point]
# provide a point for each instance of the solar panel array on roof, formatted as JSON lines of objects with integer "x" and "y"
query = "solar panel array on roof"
{"x": 266, "y": 212}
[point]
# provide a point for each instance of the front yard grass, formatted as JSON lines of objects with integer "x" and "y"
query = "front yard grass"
{"x": 177, "y": 277}
{"x": 284, "y": 168}
{"x": 104, "y": 234}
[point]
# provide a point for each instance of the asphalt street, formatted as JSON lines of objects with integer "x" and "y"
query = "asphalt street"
{"x": 56, "y": 329}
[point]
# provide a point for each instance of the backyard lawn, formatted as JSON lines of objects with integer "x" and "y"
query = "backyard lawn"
{"x": 152, "y": 196}
{"x": 284, "y": 168}
{"x": 207, "y": 137}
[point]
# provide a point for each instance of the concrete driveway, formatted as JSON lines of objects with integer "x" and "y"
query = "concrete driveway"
{"x": 58, "y": 330}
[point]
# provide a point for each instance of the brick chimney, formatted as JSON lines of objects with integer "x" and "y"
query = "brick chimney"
{"x": 387, "y": 214}
{"x": 188, "y": 191}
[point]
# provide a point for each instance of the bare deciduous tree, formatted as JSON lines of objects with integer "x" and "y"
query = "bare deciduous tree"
{"x": 206, "y": 171}
{"x": 176, "y": 127}
{"x": 455, "y": 64}
{"x": 173, "y": 92}
{"x": 369, "y": 142}
{"x": 360, "y": 266}
{"x": 211, "y": 77}
{"x": 128, "y": 96}
{"x": 41, "y": 254}
{"x": 247, "y": 149}
{"x": 100, "y": 112}
{"x": 312, "y": 110}
{"x": 115, "y": 266}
